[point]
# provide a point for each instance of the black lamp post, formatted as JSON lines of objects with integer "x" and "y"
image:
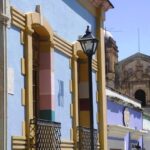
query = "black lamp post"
{"x": 138, "y": 147}
{"x": 89, "y": 45}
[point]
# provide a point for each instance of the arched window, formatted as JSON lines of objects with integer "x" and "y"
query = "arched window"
{"x": 41, "y": 82}
{"x": 140, "y": 95}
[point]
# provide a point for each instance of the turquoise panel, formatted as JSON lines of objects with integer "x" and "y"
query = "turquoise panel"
{"x": 47, "y": 115}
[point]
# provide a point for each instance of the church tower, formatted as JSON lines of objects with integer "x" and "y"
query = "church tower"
{"x": 134, "y": 78}
{"x": 111, "y": 57}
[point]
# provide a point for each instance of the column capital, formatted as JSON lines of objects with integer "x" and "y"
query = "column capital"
{"x": 4, "y": 19}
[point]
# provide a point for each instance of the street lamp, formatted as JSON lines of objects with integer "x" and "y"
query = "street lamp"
{"x": 138, "y": 147}
{"x": 89, "y": 45}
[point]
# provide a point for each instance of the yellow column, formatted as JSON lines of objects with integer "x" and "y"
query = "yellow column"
{"x": 75, "y": 95}
{"x": 28, "y": 84}
{"x": 102, "y": 102}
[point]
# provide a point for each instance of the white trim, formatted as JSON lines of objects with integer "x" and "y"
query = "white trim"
{"x": 111, "y": 93}
{"x": 147, "y": 136}
{"x": 136, "y": 134}
{"x": 120, "y": 131}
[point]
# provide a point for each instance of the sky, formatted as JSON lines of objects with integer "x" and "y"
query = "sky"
{"x": 128, "y": 22}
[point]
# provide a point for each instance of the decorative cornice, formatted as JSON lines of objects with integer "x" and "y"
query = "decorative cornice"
{"x": 19, "y": 142}
{"x": 122, "y": 99}
{"x": 67, "y": 144}
{"x": 62, "y": 45}
{"x": 136, "y": 134}
{"x": 105, "y": 4}
{"x": 121, "y": 131}
{"x": 92, "y": 5}
{"x": 18, "y": 19}
{"x": 118, "y": 131}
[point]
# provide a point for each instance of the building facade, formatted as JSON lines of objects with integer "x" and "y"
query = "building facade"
{"x": 125, "y": 122}
{"x": 44, "y": 74}
{"x": 129, "y": 77}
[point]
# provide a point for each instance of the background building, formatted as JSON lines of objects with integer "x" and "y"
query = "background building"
{"x": 125, "y": 121}
{"x": 130, "y": 77}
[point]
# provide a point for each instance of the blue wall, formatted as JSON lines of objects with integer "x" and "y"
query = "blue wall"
{"x": 15, "y": 110}
{"x": 67, "y": 17}
{"x": 63, "y": 97}
{"x": 115, "y": 115}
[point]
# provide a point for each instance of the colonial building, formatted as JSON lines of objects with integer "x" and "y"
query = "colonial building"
{"x": 125, "y": 122}
{"x": 44, "y": 97}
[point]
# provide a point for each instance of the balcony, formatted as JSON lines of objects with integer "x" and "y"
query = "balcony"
{"x": 45, "y": 134}
{"x": 84, "y": 138}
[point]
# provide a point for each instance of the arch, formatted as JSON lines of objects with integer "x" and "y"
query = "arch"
{"x": 39, "y": 44}
{"x": 35, "y": 20}
{"x": 140, "y": 95}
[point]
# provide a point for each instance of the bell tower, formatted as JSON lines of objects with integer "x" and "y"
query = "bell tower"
{"x": 111, "y": 59}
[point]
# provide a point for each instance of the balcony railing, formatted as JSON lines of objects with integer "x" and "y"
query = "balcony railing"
{"x": 85, "y": 140}
{"x": 45, "y": 135}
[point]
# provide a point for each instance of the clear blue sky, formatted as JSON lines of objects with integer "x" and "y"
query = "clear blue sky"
{"x": 124, "y": 21}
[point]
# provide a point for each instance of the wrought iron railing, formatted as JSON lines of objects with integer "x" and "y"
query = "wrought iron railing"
{"x": 85, "y": 138}
{"x": 45, "y": 135}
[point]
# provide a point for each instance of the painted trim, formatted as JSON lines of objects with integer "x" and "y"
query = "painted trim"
{"x": 23, "y": 71}
{"x": 19, "y": 142}
{"x": 118, "y": 131}
{"x": 101, "y": 80}
{"x": 124, "y": 99}
{"x": 71, "y": 110}
{"x": 75, "y": 118}
{"x": 22, "y": 40}
{"x": 62, "y": 45}
{"x": 4, "y": 24}
{"x": 29, "y": 90}
{"x": 136, "y": 134}
{"x": 23, "y": 128}
{"x": 121, "y": 131}
{"x": 70, "y": 85}
{"x": 71, "y": 134}
{"x": 18, "y": 19}
{"x": 23, "y": 93}
{"x": 67, "y": 145}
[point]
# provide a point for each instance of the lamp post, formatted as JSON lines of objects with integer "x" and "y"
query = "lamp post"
{"x": 138, "y": 147}
{"x": 89, "y": 45}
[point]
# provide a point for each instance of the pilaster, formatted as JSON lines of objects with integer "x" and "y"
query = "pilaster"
{"x": 29, "y": 90}
{"x": 4, "y": 20}
{"x": 75, "y": 95}
{"x": 102, "y": 102}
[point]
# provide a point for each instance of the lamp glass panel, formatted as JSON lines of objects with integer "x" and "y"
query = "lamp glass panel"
{"x": 88, "y": 46}
{"x": 95, "y": 43}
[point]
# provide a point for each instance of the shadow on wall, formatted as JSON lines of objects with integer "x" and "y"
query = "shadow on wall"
{"x": 114, "y": 107}
{"x": 75, "y": 6}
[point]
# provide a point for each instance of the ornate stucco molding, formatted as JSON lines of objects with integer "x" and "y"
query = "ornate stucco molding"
{"x": 105, "y": 4}
{"x": 5, "y": 13}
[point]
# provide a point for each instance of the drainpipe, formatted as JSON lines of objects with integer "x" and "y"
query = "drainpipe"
{"x": 4, "y": 22}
